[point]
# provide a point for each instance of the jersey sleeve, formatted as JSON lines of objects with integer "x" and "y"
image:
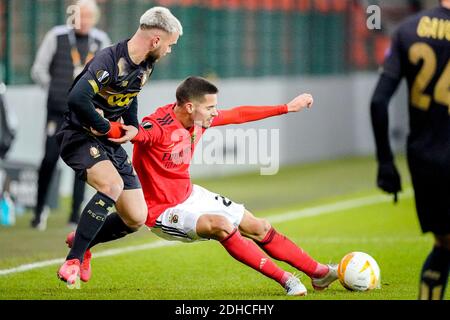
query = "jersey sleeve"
{"x": 130, "y": 116}
{"x": 40, "y": 70}
{"x": 244, "y": 114}
{"x": 149, "y": 133}
{"x": 101, "y": 70}
{"x": 392, "y": 66}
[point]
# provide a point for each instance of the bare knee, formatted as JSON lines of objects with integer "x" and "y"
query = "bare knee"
{"x": 137, "y": 219}
{"x": 256, "y": 228}
{"x": 111, "y": 189}
{"x": 104, "y": 178}
{"x": 214, "y": 227}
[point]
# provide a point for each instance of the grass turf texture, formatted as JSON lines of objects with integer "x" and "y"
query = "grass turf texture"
{"x": 390, "y": 234}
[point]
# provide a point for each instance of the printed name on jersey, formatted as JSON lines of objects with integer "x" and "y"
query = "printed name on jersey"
{"x": 147, "y": 125}
{"x": 166, "y": 120}
{"x": 434, "y": 28}
{"x": 102, "y": 76}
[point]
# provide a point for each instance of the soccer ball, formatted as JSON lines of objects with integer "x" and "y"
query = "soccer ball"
{"x": 358, "y": 271}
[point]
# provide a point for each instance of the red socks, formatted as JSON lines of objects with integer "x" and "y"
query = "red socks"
{"x": 281, "y": 248}
{"x": 247, "y": 252}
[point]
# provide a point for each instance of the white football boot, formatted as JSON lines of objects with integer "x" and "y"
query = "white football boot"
{"x": 325, "y": 281}
{"x": 294, "y": 287}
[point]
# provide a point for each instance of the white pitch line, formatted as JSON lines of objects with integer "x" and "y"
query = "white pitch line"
{"x": 288, "y": 216}
{"x": 335, "y": 207}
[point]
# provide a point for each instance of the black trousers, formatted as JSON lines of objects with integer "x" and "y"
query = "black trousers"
{"x": 47, "y": 169}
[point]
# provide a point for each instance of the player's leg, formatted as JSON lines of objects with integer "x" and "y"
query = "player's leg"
{"x": 45, "y": 175}
{"x": 131, "y": 211}
{"x": 431, "y": 190}
{"x": 130, "y": 216}
{"x": 434, "y": 274}
{"x": 131, "y": 206}
{"x": 109, "y": 185}
{"x": 106, "y": 180}
{"x": 212, "y": 226}
{"x": 281, "y": 248}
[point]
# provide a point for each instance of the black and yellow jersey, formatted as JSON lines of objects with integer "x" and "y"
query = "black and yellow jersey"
{"x": 420, "y": 52}
{"x": 115, "y": 81}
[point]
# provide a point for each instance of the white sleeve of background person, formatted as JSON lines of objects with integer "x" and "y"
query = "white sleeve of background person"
{"x": 105, "y": 41}
{"x": 40, "y": 69}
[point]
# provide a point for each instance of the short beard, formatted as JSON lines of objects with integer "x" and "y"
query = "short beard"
{"x": 151, "y": 58}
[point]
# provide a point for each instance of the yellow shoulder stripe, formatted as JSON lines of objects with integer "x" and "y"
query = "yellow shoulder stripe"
{"x": 94, "y": 85}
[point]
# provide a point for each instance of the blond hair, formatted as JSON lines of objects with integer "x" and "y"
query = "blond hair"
{"x": 160, "y": 18}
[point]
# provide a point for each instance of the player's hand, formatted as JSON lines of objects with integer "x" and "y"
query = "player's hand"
{"x": 96, "y": 133}
{"x": 388, "y": 179}
{"x": 300, "y": 102}
{"x": 116, "y": 131}
{"x": 130, "y": 133}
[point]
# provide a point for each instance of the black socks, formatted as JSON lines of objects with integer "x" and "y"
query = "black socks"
{"x": 113, "y": 228}
{"x": 91, "y": 221}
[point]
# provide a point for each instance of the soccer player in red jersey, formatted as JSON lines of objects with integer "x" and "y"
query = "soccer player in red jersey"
{"x": 179, "y": 210}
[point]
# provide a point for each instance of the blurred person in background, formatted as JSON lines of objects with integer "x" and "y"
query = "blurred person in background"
{"x": 8, "y": 123}
{"x": 62, "y": 55}
{"x": 420, "y": 52}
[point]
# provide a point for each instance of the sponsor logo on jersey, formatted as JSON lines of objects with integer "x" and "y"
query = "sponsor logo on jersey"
{"x": 121, "y": 100}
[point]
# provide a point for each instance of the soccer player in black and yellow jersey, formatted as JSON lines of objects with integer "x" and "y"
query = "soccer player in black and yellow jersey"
{"x": 420, "y": 52}
{"x": 106, "y": 92}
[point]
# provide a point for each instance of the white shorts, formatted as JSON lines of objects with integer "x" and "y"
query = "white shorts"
{"x": 179, "y": 222}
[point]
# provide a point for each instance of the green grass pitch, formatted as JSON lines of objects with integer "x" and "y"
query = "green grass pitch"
{"x": 389, "y": 233}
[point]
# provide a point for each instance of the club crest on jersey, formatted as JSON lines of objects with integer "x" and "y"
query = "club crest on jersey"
{"x": 173, "y": 218}
{"x": 147, "y": 125}
{"x": 94, "y": 152}
{"x": 102, "y": 76}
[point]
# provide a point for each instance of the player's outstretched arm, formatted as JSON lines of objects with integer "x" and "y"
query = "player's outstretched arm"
{"x": 244, "y": 114}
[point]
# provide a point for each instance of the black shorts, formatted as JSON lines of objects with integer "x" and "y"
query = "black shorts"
{"x": 431, "y": 185}
{"x": 81, "y": 150}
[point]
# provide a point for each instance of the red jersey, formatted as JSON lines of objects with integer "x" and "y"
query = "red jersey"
{"x": 163, "y": 150}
